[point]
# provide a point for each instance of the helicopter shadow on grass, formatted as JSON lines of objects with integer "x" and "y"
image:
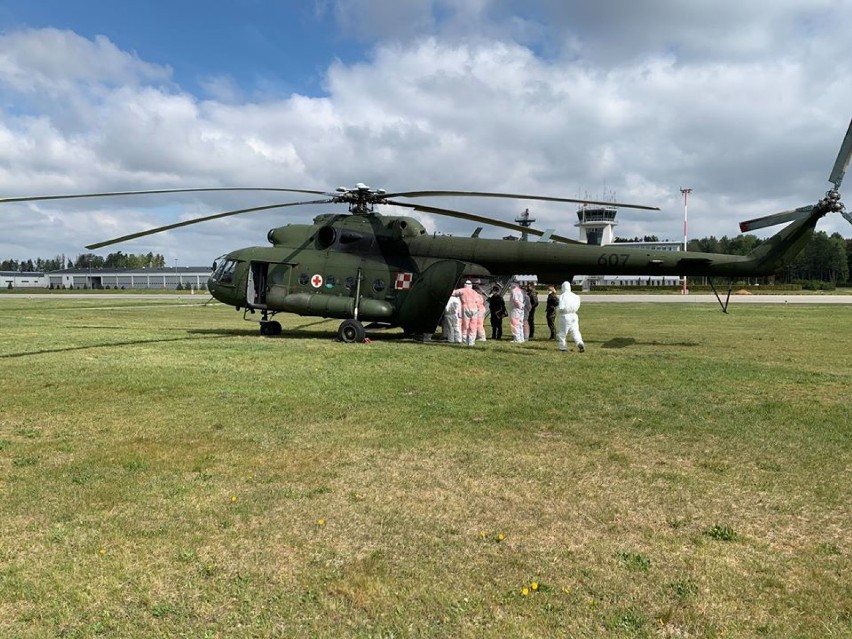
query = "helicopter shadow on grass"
{"x": 72, "y": 349}
{"x": 303, "y": 331}
{"x": 624, "y": 342}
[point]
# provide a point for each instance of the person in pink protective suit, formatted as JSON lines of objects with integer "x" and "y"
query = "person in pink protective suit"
{"x": 470, "y": 301}
{"x": 516, "y": 314}
{"x": 480, "y": 319}
{"x": 566, "y": 312}
{"x": 452, "y": 320}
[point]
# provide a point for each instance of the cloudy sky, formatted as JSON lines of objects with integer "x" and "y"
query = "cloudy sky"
{"x": 744, "y": 102}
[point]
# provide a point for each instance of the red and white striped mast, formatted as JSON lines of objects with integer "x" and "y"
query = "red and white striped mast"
{"x": 686, "y": 192}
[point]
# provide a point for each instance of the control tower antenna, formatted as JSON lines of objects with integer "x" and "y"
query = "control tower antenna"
{"x": 526, "y": 221}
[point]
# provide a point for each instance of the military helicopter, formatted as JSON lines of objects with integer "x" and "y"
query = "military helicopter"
{"x": 388, "y": 271}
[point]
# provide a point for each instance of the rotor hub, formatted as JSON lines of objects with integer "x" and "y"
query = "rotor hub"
{"x": 361, "y": 199}
{"x": 831, "y": 202}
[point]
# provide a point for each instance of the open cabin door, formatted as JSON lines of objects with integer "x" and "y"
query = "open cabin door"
{"x": 262, "y": 277}
{"x": 256, "y": 286}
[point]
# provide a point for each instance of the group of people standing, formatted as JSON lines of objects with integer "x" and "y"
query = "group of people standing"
{"x": 464, "y": 314}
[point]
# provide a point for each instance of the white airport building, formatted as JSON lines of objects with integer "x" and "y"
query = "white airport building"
{"x": 182, "y": 277}
{"x": 23, "y": 279}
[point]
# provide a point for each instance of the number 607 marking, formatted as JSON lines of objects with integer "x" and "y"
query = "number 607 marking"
{"x": 613, "y": 259}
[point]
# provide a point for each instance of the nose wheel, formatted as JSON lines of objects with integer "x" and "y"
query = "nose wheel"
{"x": 351, "y": 331}
{"x": 270, "y": 328}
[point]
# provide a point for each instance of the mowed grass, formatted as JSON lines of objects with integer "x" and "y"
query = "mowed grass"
{"x": 165, "y": 471}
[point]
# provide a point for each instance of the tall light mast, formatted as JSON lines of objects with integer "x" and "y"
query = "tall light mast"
{"x": 686, "y": 192}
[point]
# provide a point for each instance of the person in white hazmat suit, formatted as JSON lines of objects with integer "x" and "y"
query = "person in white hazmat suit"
{"x": 566, "y": 312}
{"x": 516, "y": 314}
{"x": 451, "y": 324}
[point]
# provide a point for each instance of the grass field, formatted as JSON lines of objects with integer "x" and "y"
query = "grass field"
{"x": 166, "y": 472}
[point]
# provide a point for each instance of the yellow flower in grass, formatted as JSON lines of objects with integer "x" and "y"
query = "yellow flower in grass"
{"x": 534, "y": 586}
{"x": 500, "y": 537}
{"x": 525, "y": 591}
{"x": 233, "y": 499}
{"x": 101, "y": 551}
{"x": 320, "y": 522}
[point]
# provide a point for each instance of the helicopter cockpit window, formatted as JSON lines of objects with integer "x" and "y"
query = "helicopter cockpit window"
{"x": 224, "y": 273}
{"x": 218, "y": 265}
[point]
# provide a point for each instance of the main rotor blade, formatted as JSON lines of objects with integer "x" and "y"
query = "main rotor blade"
{"x": 133, "y": 236}
{"x": 517, "y": 196}
{"x": 482, "y": 220}
{"x": 34, "y": 198}
{"x": 775, "y": 218}
{"x": 846, "y": 216}
{"x": 842, "y": 161}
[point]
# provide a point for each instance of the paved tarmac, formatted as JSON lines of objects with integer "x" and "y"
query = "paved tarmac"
{"x": 701, "y": 298}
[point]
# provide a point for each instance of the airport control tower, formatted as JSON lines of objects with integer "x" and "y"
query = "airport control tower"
{"x": 596, "y": 224}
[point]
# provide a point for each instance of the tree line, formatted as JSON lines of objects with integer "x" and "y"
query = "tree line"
{"x": 825, "y": 259}
{"x": 85, "y": 260}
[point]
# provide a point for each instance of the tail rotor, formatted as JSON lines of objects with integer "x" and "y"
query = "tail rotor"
{"x": 829, "y": 204}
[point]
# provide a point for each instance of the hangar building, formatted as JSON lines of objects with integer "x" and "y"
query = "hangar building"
{"x": 183, "y": 277}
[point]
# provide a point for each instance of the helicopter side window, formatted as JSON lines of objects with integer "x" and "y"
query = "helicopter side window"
{"x": 304, "y": 278}
{"x": 379, "y": 285}
{"x": 349, "y": 283}
{"x": 330, "y": 281}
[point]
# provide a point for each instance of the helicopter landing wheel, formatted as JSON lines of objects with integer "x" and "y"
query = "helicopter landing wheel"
{"x": 351, "y": 331}
{"x": 270, "y": 328}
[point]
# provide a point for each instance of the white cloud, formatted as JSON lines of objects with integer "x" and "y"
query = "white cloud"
{"x": 745, "y": 104}
{"x": 55, "y": 62}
